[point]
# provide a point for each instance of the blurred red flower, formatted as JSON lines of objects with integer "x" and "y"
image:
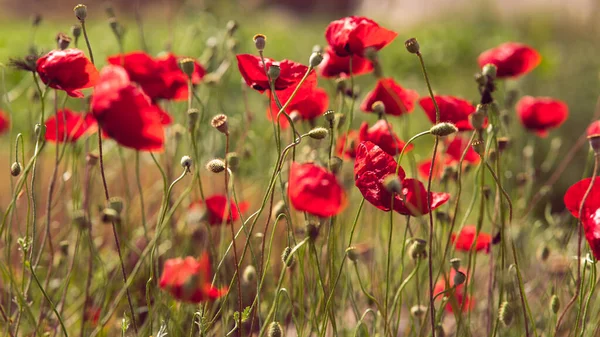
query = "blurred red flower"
{"x": 125, "y": 113}
{"x": 373, "y": 165}
{"x": 160, "y": 78}
{"x": 397, "y": 100}
{"x": 346, "y": 149}
{"x": 381, "y": 134}
{"x": 253, "y": 72}
{"x": 539, "y": 114}
{"x": 309, "y": 103}
{"x": 314, "y": 190}
{"x": 71, "y": 126}
{"x": 452, "y": 109}
{"x": 4, "y": 122}
{"x": 189, "y": 279}
{"x": 458, "y": 293}
{"x": 217, "y": 210}
{"x": 590, "y": 215}
{"x": 352, "y": 35}
{"x": 464, "y": 239}
{"x": 511, "y": 58}
{"x": 67, "y": 70}
{"x": 339, "y": 66}
{"x": 593, "y": 129}
{"x": 452, "y": 154}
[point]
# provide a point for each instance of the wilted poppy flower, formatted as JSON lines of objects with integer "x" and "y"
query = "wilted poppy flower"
{"x": 373, "y": 165}
{"x": 339, "y": 66}
{"x": 464, "y": 239}
{"x": 397, "y": 100}
{"x": 290, "y": 74}
{"x": 189, "y": 280}
{"x": 452, "y": 109}
{"x": 4, "y": 122}
{"x": 511, "y": 58}
{"x": 125, "y": 113}
{"x": 454, "y": 149}
{"x": 309, "y": 103}
{"x": 314, "y": 190}
{"x": 71, "y": 126}
{"x": 347, "y": 144}
{"x": 540, "y": 114}
{"x": 160, "y": 78}
{"x": 458, "y": 293}
{"x": 381, "y": 134}
{"x": 217, "y": 210}
{"x": 352, "y": 35}
{"x": 590, "y": 215}
{"x": 67, "y": 70}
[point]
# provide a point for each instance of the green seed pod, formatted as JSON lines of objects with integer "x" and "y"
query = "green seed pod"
{"x": 285, "y": 257}
{"x": 506, "y": 313}
{"x": 443, "y": 129}
{"x": 554, "y": 304}
{"x": 275, "y": 330}
{"x": 318, "y": 133}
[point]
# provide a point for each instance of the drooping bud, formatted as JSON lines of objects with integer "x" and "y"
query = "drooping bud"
{"x": 318, "y": 133}
{"x": 352, "y": 254}
{"x": 260, "y": 41}
{"x": 455, "y": 263}
{"x": 479, "y": 147}
{"x": 543, "y": 253}
{"x": 506, "y": 313}
{"x": 193, "y": 115}
{"x": 186, "y": 163}
{"x": 371, "y": 54}
{"x": 459, "y": 278}
{"x": 329, "y": 117}
{"x": 417, "y": 249}
{"x": 393, "y": 184}
{"x": 335, "y": 164}
{"x": 275, "y": 330}
{"x": 80, "y": 12}
{"x": 554, "y": 304}
{"x": 489, "y": 70}
{"x": 233, "y": 160}
{"x": 274, "y": 71}
{"x": 76, "y": 32}
{"x": 287, "y": 258}
{"x": 439, "y": 331}
{"x": 593, "y": 136}
{"x": 110, "y": 215}
{"x": 418, "y": 311}
{"x": 443, "y": 129}
{"x": 412, "y": 46}
{"x": 216, "y": 166}
{"x": 315, "y": 59}
{"x": 92, "y": 158}
{"x": 116, "y": 203}
{"x": 249, "y": 275}
{"x": 187, "y": 65}
{"x": 36, "y": 20}
{"x": 503, "y": 143}
{"x": 312, "y": 231}
{"x": 15, "y": 169}
{"x": 219, "y": 122}
{"x": 79, "y": 219}
{"x": 378, "y": 107}
{"x": 232, "y": 27}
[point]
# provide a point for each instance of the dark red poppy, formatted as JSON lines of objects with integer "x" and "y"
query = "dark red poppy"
{"x": 352, "y": 35}
{"x": 540, "y": 114}
{"x": 125, "y": 113}
{"x": 373, "y": 165}
{"x": 71, "y": 126}
{"x": 160, "y": 78}
{"x": 314, "y": 190}
{"x": 451, "y": 156}
{"x": 593, "y": 129}
{"x": 381, "y": 134}
{"x": 511, "y": 58}
{"x": 67, "y": 70}
{"x": 189, "y": 279}
{"x": 464, "y": 240}
{"x": 397, "y": 100}
{"x": 458, "y": 293}
{"x": 452, "y": 109}
{"x": 218, "y": 212}
{"x": 590, "y": 215}
{"x": 339, "y": 66}
{"x": 4, "y": 122}
{"x": 309, "y": 103}
{"x": 347, "y": 148}
{"x": 253, "y": 72}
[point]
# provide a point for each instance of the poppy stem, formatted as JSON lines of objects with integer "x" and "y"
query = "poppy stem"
{"x": 87, "y": 41}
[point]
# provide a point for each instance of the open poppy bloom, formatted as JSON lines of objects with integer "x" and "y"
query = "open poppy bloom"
{"x": 371, "y": 168}
{"x": 464, "y": 240}
{"x": 346, "y": 149}
{"x": 458, "y": 293}
{"x": 352, "y": 35}
{"x": 540, "y": 114}
{"x": 189, "y": 279}
{"x": 452, "y": 109}
{"x": 397, "y": 100}
{"x": 4, "y": 122}
{"x": 217, "y": 210}
{"x": 590, "y": 214}
{"x": 339, "y": 66}
{"x": 593, "y": 129}
{"x": 454, "y": 149}
{"x": 314, "y": 190}
{"x": 160, "y": 78}
{"x": 511, "y": 58}
{"x": 67, "y": 70}
{"x": 71, "y": 126}
{"x": 309, "y": 103}
{"x": 253, "y": 71}
{"x": 381, "y": 134}
{"x": 125, "y": 113}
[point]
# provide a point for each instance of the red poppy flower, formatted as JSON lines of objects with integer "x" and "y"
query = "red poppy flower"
{"x": 189, "y": 279}
{"x": 373, "y": 165}
{"x": 67, "y": 70}
{"x": 590, "y": 215}
{"x": 160, "y": 78}
{"x": 397, "y": 100}
{"x": 592, "y": 131}
{"x": 352, "y": 35}
{"x": 218, "y": 212}
{"x": 314, "y": 190}
{"x": 339, "y": 66}
{"x": 71, "y": 126}
{"x": 4, "y": 122}
{"x": 539, "y": 114}
{"x": 452, "y": 154}
{"x": 381, "y": 134}
{"x": 512, "y": 59}
{"x": 253, "y": 72}
{"x": 309, "y": 103}
{"x": 125, "y": 113}
{"x": 347, "y": 148}
{"x": 467, "y": 235}
{"x": 452, "y": 109}
{"x": 458, "y": 293}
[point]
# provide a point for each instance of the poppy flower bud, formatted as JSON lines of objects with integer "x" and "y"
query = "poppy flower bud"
{"x": 318, "y": 133}
{"x": 417, "y": 249}
{"x": 418, "y": 311}
{"x": 216, "y": 166}
{"x": 341, "y": 84}
{"x": 232, "y": 26}
{"x": 39, "y": 130}
{"x": 219, "y": 122}
{"x": 233, "y": 160}
{"x": 287, "y": 258}
{"x": 260, "y": 41}
{"x": 443, "y": 129}
{"x": 479, "y": 147}
{"x": 91, "y": 158}
{"x": 62, "y": 41}
{"x": 352, "y": 254}
{"x": 477, "y": 120}
{"x": 275, "y": 330}
{"x": 543, "y": 253}
{"x": 506, "y": 313}
{"x": 329, "y": 116}
{"x": 116, "y": 28}
{"x": 109, "y": 215}
{"x": 76, "y": 32}
{"x": 503, "y": 143}
{"x": 442, "y": 216}
{"x": 249, "y": 275}
{"x": 393, "y": 184}
{"x": 412, "y": 45}
{"x": 15, "y": 169}
{"x": 489, "y": 70}
{"x": 80, "y": 12}
{"x": 459, "y": 278}
{"x": 187, "y": 65}
{"x": 480, "y": 79}
{"x": 78, "y": 218}
{"x": 335, "y": 164}
{"x": 554, "y": 304}
{"x": 439, "y": 331}
{"x": 116, "y": 203}
{"x": 274, "y": 71}
{"x": 186, "y": 162}
{"x": 371, "y": 54}
{"x": 193, "y": 115}
{"x": 315, "y": 59}
{"x": 378, "y": 108}
{"x": 312, "y": 231}
{"x": 455, "y": 263}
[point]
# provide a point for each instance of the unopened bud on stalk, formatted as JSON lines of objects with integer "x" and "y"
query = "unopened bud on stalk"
{"x": 371, "y": 54}
{"x": 76, "y": 32}
{"x": 593, "y": 136}
{"x": 341, "y": 84}
{"x": 443, "y": 129}
{"x": 455, "y": 263}
{"x": 412, "y": 46}
{"x": 477, "y": 120}
{"x": 79, "y": 219}
{"x": 233, "y": 160}
{"x": 216, "y": 166}
{"x": 193, "y": 115}
{"x": 110, "y": 215}
{"x": 489, "y": 70}
{"x": 186, "y": 162}
{"x": 459, "y": 278}
{"x": 62, "y": 41}
{"x": 15, "y": 169}
{"x": 330, "y": 117}
{"x": 219, "y": 122}
{"x": 110, "y": 11}
{"x": 417, "y": 249}
{"x": 275, "y": 330}
{"x": 116, "y": 203}
{"x": 318, "y": 133}
{"x": 317, "y": 49}
{"x": 479, "y": 147}
{"x": 554, "y": 304}
{"x": 335, "y": 164}
{"x": 188, "y": 66}
{"x": 439, "y": 331}
{"x": 91, "y": 158}
{"x": 312, "y": 231}
{"x": 480, "y": 79}
{"x": 274, "y": 71}
{"x": 249, "y": 275}
{"x": 503, "y": 143}
{"x": 418, "y": 311}
{"x": 393, "y": 184}
{"x": 260, "y": 41}
{"x": 287, "y": 258}
{"x": 232, "y": 27}
{"x": 352, "y": 254}
{"x": 80, "y": 12}
{"x": 278, "y": 209}
{"x": 506, "y": 313}
{"x": 378, "y": 107}
{"x": 115, "y": 27}
{"x": 315, "y": 59}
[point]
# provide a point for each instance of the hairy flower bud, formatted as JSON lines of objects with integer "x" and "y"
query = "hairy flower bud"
{"x": 352, "y": 254}
{"x": 418, "y": 311}
{"x": 232, "y": 26}
{"x": 417, "y": 249}
{"x": 455, "y": 263}
{"x": 506, "y": 313}
{"x": 216, "y": 166}
{"x": 110, "y": 215}
{"x": 186, "y": 162}
{"x": 193, "y": 115}
{"x": 62, "y": 41}
{"x": 15, "y": 169}
{"x": 459, "y": 278}
{"x": 479, "y": 147}
{"x": 287, "y": 258}
{"x": 335, "y": 164}
{"x": 318, "y": 133}
{"x": 489, "y": 70}
{"x": 393, "y": 184}
{"x": 554, "y": 304}
{"x": 275, "y": 330}
{"x": 378, "y": 108}
{"x": 274, "y": 71}
{"x": 443, "y": 129}
{"x": 233, "y": 160}
{"x": 249, "y": 275}
{"x": 315, "y": 59}
{"x": 412, "y": 46}
{"x": 116, "y": 203}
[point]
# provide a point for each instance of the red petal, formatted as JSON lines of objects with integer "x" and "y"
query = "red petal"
{"x": 575, "y": 194}
{"x": 397, "y": 100}
{"x": 512, "y": 59}
{"x": 339, "y": 66}
{"x": 314, "y": 190}
{"x": 539, "y": 114}
{"x": 452, "y": 109}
